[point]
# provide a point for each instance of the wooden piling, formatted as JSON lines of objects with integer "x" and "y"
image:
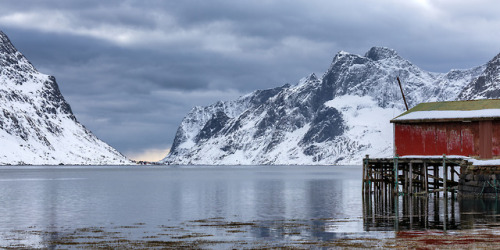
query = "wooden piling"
{"x": 405, "y": 177}
{"x": 426, "y": 178}
{"x": 363, "y": 184}
{"x": 396, "y": 173}
{"x": 452, "y": 180}
{"x": 445, "y": 177}
{"x": 385, "y": 177}
{"x": 436, "y": 179}
{"x": 410, "y": 177}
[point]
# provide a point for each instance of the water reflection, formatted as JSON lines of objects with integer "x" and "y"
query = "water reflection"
{"x": 232, "y": 205}
{"x": 479, "y": 213}
{"x": 413, "y": 213}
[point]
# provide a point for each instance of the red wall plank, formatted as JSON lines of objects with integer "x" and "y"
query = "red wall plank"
{"x": 467, "y": 140}
{"x": 485, "y": 139}
{"x": 429, "y": 140}
{"x": 416, "y": 136}
{"x": 441, "y": 139}
{"x": 495, "y": 138}
{"x": 454, "y": 143}
{"x": 451, "y": 138}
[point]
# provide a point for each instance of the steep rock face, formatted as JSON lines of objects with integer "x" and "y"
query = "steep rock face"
{"x": 375, "y": 75}
{"x": 37, "y": 125}
{"x": 487, "y": 85}
{"x": 336, "y": 119}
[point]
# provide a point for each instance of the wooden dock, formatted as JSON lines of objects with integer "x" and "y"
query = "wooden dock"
{"x": 411, "y": 176}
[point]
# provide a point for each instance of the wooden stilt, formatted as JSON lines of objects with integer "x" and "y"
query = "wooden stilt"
{"x": 426, "y": 178}
{"x": 445, "y": 177}
{"x": 410, "y": 177}
{"x": 405, "y": 176}
{"x": 453, "y": 181}
{"x": 436, "y": 179}
{"x": 396, "y": 173}
{"x": 370, "y": 179}
{"x": 384, "y": 177}
{"x": 363, "y": 185}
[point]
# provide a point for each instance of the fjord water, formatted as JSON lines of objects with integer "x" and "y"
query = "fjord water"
{"x": 224, "y": 206}
{"x": 68, "y": 198}
{"x": 86, "y": 196}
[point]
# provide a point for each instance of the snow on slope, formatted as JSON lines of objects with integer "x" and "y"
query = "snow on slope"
{"x": 368, "y": 123}
{"x": 37, "y": 126}
{"x": 336, "y": 119}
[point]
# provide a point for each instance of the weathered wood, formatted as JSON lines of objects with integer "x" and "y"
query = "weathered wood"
{"x": 453, "y": 180}
{"x": 436, "y": 178}
{"x": 410, "y": 177}
{"x": 363, "y": 184}
{"x": 426, "y": 178}
{"x": 445, "y": 176}
{"x": 383, "y": 176}
{"x": 396, "y": 173}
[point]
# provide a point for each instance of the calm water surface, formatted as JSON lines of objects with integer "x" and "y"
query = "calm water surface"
{"x": 209, "y": 206}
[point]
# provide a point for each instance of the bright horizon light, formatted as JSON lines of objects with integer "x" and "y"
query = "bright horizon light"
{"x": 152, "y": 154}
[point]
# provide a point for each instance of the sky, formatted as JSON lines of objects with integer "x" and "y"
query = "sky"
{"x": 131, "y": 70}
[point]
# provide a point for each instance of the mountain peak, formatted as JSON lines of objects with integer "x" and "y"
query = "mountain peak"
{"x": 5, "y": 44}
{"x": 380, "y": 53}
{"x": 341, "y": 54}
{"x": 495, "y": 60}
{"x": 13, "y": 62}
{"x": 37, "y": 125}
{"x": 312, "y": 77}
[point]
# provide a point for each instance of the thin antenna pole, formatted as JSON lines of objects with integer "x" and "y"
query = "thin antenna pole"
{"x": 402, "y": 93}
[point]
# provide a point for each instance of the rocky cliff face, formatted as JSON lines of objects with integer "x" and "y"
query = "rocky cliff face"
{"x": 487, "y": 85}
{"x": 37, "y": 125}
{"x": 335, "y": 119}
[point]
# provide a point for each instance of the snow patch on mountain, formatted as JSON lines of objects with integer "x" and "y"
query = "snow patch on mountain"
{"x": 367, "y": 124}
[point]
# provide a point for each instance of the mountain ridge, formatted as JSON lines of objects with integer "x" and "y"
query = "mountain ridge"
{"x": 335, "y": 119}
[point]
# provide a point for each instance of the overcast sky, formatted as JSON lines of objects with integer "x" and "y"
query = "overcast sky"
{"x": 131, "y": 70}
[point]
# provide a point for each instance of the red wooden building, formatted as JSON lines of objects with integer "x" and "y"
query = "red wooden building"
{"x": 466, "y": 128}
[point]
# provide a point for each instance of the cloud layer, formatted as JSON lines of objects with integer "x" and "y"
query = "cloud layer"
{"x": 132, "y": 69}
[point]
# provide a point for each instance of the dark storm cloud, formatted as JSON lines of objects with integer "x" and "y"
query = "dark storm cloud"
{"x": 132, "y": 69}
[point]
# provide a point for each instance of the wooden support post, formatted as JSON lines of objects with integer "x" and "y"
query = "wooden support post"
{"x": 384, "y": 184}
{"x": 405, "y": 179}
{"x": 370, "y": 179}
{"x": 445, "y": 222}
{"x": 426, "y": 178}
{"x": 390, "y": 179}
{"x": 421, "y": 177}
{"x": 445, "y": 177}
{"x": 436, "y": 179}
{"x": 377, "y": 178}
{"x": 365, "y": 163}
{"x": 453, "y": 181}
{"x": 426, "y": 211}
{"x": 410, "y": 206}
{"x": 396, "y": 172}
{"x": 410, "y": 177}
{"x": 418, "y": 187}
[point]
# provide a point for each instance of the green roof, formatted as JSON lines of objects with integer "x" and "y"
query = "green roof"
{"x": 455, "y": 105}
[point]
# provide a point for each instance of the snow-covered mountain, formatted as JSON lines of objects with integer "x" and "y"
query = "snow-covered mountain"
{"x": 37, "y": 125}
{"x": 487, "y": 85}
{"x": 335, "y": 119}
